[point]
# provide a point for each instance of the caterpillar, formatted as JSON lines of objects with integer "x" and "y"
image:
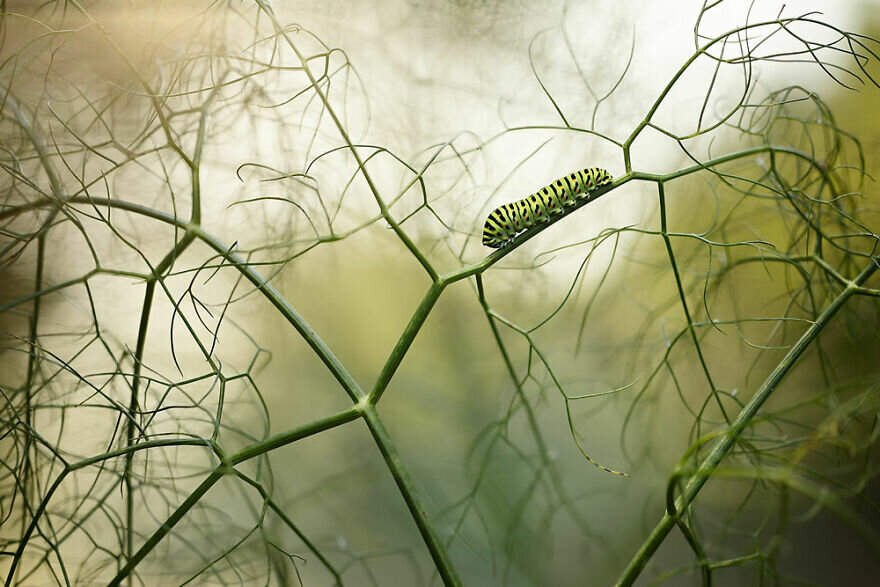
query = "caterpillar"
{"x": 506, "y": 221}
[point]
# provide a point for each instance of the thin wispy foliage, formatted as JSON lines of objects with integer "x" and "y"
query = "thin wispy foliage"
{"x": 161, "y": 200}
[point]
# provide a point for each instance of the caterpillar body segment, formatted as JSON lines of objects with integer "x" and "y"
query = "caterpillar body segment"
{"x": 506, "y": 221}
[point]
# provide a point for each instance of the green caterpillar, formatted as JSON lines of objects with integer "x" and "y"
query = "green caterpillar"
{"x": 506, "y": 221}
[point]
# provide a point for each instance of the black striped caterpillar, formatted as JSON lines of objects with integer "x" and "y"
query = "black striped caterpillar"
{"x": 506, "y": 221}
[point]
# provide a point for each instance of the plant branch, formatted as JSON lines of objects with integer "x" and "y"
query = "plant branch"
{"x": 731, "y": 435}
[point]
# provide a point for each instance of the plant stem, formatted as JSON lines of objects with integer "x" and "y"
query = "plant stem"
{"x": 410, "y": 495}
{"x": 726, "y": 441}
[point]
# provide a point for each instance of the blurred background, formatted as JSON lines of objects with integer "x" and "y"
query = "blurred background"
{"x": 458, "y": 107}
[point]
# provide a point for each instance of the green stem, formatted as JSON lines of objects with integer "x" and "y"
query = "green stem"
{"x": 224, "y": 468}
{"x": 133, "y": 404}
{"x": 411, "y": 496}
{"x": 405, "y": 341}
{"x": 313, "y": 82}
{"x": 687, "y": 314}
{"x": 532, "y": 420}
{"x": 298, "y": 433}
{"x": 727, "y": 440}
{"x": 191, "y": 500}
{"x": 267, "y": 499}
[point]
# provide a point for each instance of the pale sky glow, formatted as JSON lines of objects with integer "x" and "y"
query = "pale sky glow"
{"x": 431, "y": 73}
{"x": 428, "y": 76}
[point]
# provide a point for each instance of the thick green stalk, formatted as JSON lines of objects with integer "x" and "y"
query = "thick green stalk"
{"x": 191, "y": 500}
{"x": 725, "y": 442}
{"x": 411, "y": 496}
{"x": 405, "y": 341}
{"x": 226, "y": 467}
